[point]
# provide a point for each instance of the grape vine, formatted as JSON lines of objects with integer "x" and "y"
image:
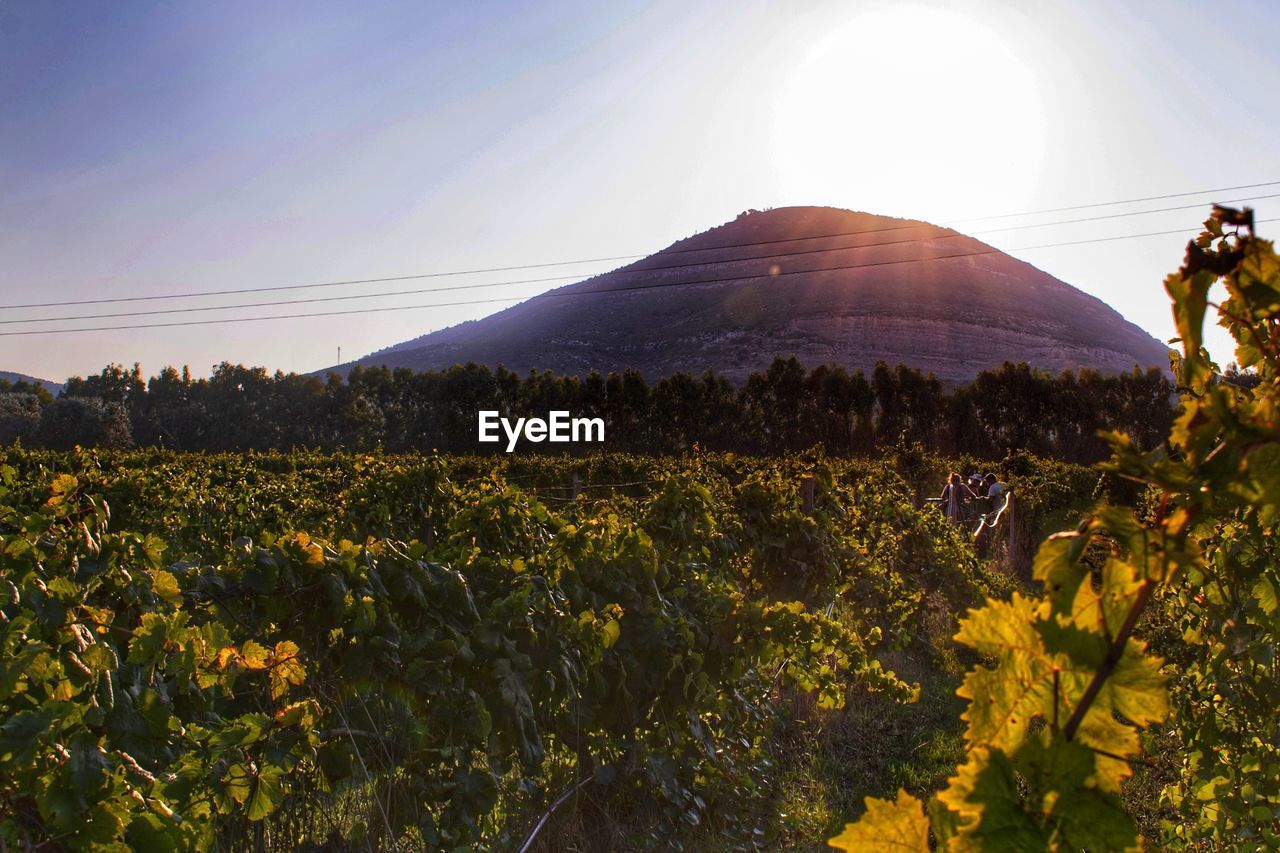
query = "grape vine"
{"x": 1066, "y": 684}
{"x": 181, "y": 666}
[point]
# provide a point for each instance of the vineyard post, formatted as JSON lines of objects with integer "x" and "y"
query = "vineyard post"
{"x": 573, "y": 488}
{"x": 1011, "y": 543}
{"x": 806, "y": 494}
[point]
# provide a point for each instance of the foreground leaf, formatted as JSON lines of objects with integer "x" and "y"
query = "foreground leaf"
{"x": 899, "y": 825}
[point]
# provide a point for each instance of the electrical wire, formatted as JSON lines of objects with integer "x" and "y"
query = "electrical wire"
{"x": 555, "y": 294}
{"x": 637, "y": 271}
{"x": 1112, "y": 203}
{"x": 669, "y": 251}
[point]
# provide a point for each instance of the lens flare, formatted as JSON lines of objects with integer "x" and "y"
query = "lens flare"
{"x": 912, "y": 110}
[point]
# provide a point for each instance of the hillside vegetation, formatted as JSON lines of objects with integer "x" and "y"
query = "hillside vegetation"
{"x": 784, "y": 409}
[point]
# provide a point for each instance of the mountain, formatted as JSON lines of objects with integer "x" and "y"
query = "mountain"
{"x": 52, "y": 387}
{"x": 771, "y": 282}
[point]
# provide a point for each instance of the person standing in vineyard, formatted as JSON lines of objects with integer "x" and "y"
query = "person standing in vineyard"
{"x": 990, "y": 491}
{"x": 954, "y": 494}
{"x": 993, "y": 489}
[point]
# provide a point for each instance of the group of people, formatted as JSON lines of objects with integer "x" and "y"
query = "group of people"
{"x": 962, "y": 498}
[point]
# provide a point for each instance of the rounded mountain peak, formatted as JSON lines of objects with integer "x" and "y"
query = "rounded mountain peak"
{"x": 828, "y": 285}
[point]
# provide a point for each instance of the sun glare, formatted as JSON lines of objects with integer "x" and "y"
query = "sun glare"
{"x": 913, "y": 111}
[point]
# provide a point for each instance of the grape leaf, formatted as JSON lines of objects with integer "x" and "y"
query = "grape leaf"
{"x": 887, "y": 825}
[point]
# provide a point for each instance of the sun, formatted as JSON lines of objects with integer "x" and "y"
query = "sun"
{"x": 910, "y": 110}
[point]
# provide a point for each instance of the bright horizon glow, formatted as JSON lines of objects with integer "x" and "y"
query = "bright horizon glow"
{"x": 886, "y": 109}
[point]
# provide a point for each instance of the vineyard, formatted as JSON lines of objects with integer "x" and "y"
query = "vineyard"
{"x": 238, "y": 650}
{"x": 392, "y": 651}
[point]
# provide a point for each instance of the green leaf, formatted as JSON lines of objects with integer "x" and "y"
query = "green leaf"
{"x": 238, "y": 783}
{"x": 149, "y": 833}
{"x": 64, "y": 590}
{"x": 1057, "y": 564}
{"x": 611, "y": 632}
{"x": 984, "y": 793}
{"x": 1058, "y": 776}
{"x": 98, "y": 659}
{"x": 21, "y": 733}
{"x": 1266, "y": 594}
{"x": 148, "y": 639}
{"x": 105, "y": 824}
{"x": 242, "y": 731}
{"x": 268, "y": 792}
{"x": 1190, "y": 301}
{"x": 165, "y": 585}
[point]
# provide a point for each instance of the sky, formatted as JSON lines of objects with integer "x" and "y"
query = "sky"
{"x": 164, "y": 147}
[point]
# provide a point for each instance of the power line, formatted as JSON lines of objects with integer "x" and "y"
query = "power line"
{"x": 659, "y": 285}
{"x": 382, "y": 280}
{"x": 669, "y": 251}
{"x": 481, "y": 285}
{"x": 484, "y": 285}
{"x": 288, "y": 301}
{"x": 1126, "y": 201}
{"x": 409, "y": 277}
{"x": 1119, "y": 215}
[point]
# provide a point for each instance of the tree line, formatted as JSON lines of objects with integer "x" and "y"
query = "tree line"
{"x": 784, "y": 408}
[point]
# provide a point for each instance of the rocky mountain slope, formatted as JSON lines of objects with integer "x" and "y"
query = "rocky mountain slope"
{"x": 824, "y": 284}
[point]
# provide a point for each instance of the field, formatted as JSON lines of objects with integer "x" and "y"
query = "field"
{"x": 281, "y": 649}
{"x": 341, "y": 652}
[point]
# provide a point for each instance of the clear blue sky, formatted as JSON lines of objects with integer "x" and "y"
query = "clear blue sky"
{"x": 154, "y": 147}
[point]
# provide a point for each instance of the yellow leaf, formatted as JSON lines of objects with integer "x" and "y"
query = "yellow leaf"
{"x": 286, "y": 668}
{"x": 313, "y": 553}
{"x": 899, "y": 825}
{"x": 62, "y": 485}
{"x": 165, "y": 585}
{"x": 254, "y": 655}
{"x": 302, "y": 714}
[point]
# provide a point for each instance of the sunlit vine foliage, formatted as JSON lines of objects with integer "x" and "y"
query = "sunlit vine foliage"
{"x": 1065, "y": 685}
{"x": 182, "y": 667}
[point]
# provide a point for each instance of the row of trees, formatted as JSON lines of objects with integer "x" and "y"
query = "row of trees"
{"x": 785, "y": 408}
{"x": 38, "y": 420}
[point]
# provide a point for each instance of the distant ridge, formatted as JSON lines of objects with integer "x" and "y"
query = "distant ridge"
{"x": 52, "y": 387}
{"x": 951, "y": 317}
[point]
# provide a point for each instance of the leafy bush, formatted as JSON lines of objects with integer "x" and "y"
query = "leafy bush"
{"x": 1065, "y": 685}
